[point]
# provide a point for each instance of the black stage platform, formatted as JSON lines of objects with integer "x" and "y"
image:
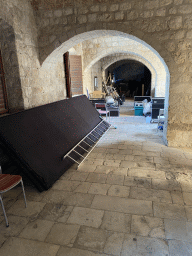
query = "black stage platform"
{"x": 38, "y": 138}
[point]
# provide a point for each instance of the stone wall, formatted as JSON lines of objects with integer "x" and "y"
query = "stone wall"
{"x": 165, "y": 25}
{"x": 21, "y": 69}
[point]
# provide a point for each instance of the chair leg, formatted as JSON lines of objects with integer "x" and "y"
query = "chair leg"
{"x": 24, "y": 193}
{"x": 6, "y": 220}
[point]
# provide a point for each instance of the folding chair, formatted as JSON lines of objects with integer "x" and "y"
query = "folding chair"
{"x": 102, "y": 109}
{"x": 8, "y": 182}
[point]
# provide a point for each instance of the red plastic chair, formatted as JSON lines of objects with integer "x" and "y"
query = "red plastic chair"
{"x": 8, "y": 182}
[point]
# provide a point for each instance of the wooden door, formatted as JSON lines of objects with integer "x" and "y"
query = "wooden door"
{"x": 67, "y": 74}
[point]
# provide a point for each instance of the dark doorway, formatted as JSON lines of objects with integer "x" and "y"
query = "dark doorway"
{"x": 130, "y": 78}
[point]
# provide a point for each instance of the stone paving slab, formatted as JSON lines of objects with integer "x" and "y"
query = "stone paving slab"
{"x": 169, "y": 211}
{"x": 137, "y": 245}
{"x": 86, "y": 217}
{"x": 124, "y": 205}
{"x": 63, "y": 234}
{"x": 115, "y": 221}
{"x": 19, "y": 247}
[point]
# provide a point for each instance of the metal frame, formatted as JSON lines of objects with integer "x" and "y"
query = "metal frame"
{"x": 101, "y": 125}
{"x": 3, "y": 208}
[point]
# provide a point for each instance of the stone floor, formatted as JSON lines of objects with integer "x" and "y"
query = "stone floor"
{"x": 132, "y": 197}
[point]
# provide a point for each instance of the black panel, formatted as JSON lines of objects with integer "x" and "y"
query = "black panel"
{"x": 38, "y": 138}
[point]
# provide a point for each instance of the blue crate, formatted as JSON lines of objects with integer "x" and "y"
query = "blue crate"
{"x": 138, "y": 110}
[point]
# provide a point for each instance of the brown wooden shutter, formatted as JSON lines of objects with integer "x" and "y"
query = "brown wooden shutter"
{"x": 67, "y": 74}
{"x": 3, "y": 94}
{"x": 76, "y": 74}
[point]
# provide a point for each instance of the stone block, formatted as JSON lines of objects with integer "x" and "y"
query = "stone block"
{"x": 68, "y": 11}
{"x": 175, "y": 23}
{"x": 63, "y": 234}
{"x": 37, "y": 230}
{"x": 124, "y": 6}
{"x": 66, "y": 185}
{"x": 185, "y": 9}
{"x": 165, "y": 2}
{"x": 100, "y": 189}
{"x": 115, "y": 221}
{"x": 79, "y": 176}
{"x": 92, "y": 17}
{"x": 97, "y": 177}
{"x": 74, "y": 251}
{"x": 145, "y": 173}
{"x": 119, "y": 15}
{"x": 121, "y": 191}
{"x": 82, "y": 19}
{"x": 57, "y": 13}
{"x": 161, "y": 12}
{"x": 188, "y": 21}
{"x": 177, "y": 247}
{"x": 172, "y": 10}
{"x": 91, "y": 238}
{"x": 94, "y": 8}
{"x": 19, "y": 246}
{"x": 115, "y": 179}
{"x": 137, "y": 245}
{"x": 147, "y": 14}
{"x": 147, "y": 226}
{"x": 83, "y": 187}
{"x": 86, "y": 217}
{"x": 52, "y": 212}
{"x": 124, "y": 205}
{"x": 79, "y": 199}
{"x": 151, "y": 4}
{"x": 169, "y": 185}
{"x": 32, "y": 209}
{"x": 177, "y": 2}
{"x": 132, "y": 15}
{"x": 114, "y": 244}
{"x": 189, "y": 34}
{"x": 177, "y": 197}
{"x": 137, "y": 182}
{"x": 175, "y": 229}
{"x": 111, "y": 170}
{"x": 169, "y": 211}
{"x": 150, "y": 194}
{"x": 187, "y": 198}
{"x": 114, "y": 7}
{"x": 83, "y": 10}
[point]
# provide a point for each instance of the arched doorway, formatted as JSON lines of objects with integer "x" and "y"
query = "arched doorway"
{"x": 105, "y": 43}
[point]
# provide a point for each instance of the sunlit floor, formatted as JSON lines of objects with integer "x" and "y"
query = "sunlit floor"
{"x": 132, "y": 197}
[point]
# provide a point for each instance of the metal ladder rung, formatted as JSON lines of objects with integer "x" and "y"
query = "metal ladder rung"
{"x": 78, "y": 153}
{"x": 98, "y": 134}
{"x": 83, "y": 148}
{"x": 73, "y": 159}
{"x": 90, "y": 139}
{"x": 87, "y": 143}
{"x": 94, "y": 136}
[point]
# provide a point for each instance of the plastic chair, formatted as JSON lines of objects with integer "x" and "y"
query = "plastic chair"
{"x": 161, "y": 117}
{"x": 100, "y": 107}
{"x": 8, "y": 182}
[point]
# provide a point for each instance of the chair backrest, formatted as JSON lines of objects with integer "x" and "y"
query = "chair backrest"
{"x": 100, "y": 105}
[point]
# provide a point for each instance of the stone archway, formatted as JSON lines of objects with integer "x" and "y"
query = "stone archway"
{"x": 108, "y": 42}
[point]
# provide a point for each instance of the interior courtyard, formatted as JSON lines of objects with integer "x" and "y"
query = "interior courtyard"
{"x": 132, "y": 196}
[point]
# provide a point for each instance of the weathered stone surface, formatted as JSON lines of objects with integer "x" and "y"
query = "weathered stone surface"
{"x": 147, "y": 226}
{"x": 122, "y": 205}
{"x": 86, "y": 217}
{"x": 116, "y": 221}
{"x": 143, "y": 245}
{"x": 175, "y": 23}
{"x": 63, "y": 234}
{"x": 18, "y": 246}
